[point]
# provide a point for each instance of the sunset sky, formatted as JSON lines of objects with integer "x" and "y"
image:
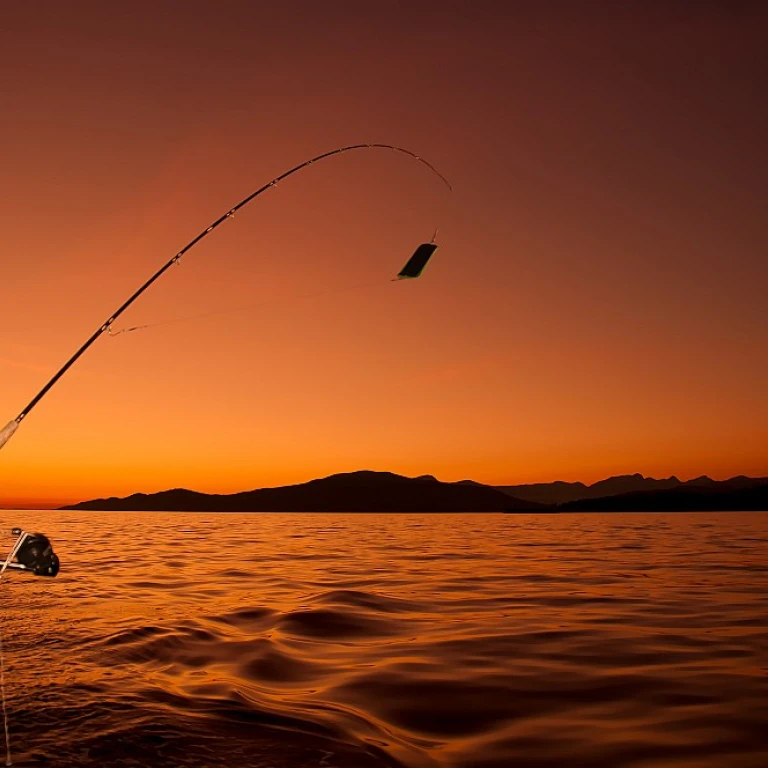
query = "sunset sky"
{"x": 597, "y": 305}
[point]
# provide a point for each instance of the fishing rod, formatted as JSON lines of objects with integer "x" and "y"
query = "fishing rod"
{"x": 412, "y": 269}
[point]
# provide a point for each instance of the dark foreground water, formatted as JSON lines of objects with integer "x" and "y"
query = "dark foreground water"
{"x": 354, "y": 641}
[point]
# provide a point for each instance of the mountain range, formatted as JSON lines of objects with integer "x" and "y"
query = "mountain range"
{"x": 703, "y": 494}
{"x": 363, "y": 491}
{"x": 367, "y": 491}
{"x": 561, "y": 492}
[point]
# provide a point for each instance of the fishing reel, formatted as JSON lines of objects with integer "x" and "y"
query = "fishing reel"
{"x": 31, "y": 552}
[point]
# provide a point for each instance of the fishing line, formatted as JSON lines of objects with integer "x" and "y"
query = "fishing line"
{"x": 8, "y": 760}
{"x": 14, "y": 549}
{"x": 367, "y": 286}
{"x": 247, "y": 307}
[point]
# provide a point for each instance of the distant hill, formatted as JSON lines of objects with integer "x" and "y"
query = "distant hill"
{"x": 363, "y": 491}
{"x": 548, "y": 493}
{"x": 560, "y": 492}
{"x": 699, "y": 495}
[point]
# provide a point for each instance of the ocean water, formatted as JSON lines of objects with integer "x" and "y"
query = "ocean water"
{"x": 355, "y": 641}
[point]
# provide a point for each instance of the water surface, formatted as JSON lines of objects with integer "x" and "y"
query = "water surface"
{"x": 360, "y": 641}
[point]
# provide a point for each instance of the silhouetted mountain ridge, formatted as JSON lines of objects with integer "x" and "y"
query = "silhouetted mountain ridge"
{"x": 561, "y": 492}
{"x": 700, "y": 495}
{"x": 363, "y": 491}
{"x": 368, "y": 491}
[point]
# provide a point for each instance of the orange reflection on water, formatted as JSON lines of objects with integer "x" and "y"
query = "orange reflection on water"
{"x": 411, "y": 640}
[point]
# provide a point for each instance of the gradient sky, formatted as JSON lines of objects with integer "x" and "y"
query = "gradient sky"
{"x": 597, "y": 305}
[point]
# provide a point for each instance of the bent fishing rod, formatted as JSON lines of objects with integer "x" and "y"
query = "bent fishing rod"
{"x": 412, "y": 269}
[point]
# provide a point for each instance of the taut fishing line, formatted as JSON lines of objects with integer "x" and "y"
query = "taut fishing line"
{"x": 2, "y": 691}
{"x": 8, "y": 760}
{"x": 368, "y": 285}
{"x": 11, "y": 555}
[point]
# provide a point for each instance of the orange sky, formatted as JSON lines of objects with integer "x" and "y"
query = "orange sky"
{"x": 597, "y": 305}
